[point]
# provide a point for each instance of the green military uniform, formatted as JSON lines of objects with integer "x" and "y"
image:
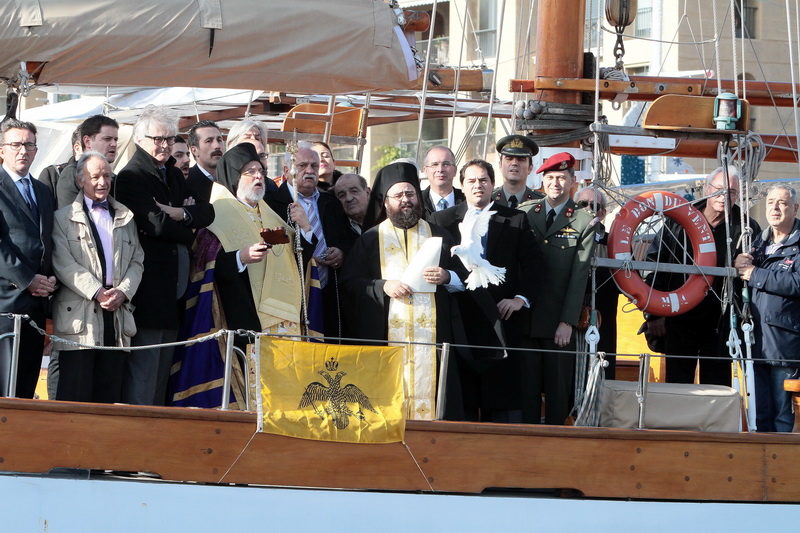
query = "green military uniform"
{"x": 567, "y": 246}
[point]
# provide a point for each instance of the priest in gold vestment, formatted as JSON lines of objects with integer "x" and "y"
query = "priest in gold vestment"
{"x": 385, "y": 306}
{"x": 237, "y": 281}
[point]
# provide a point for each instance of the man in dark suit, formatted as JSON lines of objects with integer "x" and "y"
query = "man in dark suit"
{"x": 440, "y": 169}
{"x": 567, "y": 238}
{"x": 516, "y": 162}
{"x": 492, "y": 387}
{"x": 165, "y": 213}
{"x": 180, "y": 151}
{"x": 353, "y": 192}
{"x": 323, "y": 223}
{"x": 99, "y": 133}
{"x": 26, "y": 246}
{"x": 207, "y": 146}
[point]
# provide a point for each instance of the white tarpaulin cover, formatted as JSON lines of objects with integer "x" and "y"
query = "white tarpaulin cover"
{"x": 311, "y": 46}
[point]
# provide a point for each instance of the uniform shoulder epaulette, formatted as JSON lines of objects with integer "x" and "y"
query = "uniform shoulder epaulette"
{"x": 530, "y": 203}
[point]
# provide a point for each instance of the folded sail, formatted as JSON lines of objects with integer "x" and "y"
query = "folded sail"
{"x": 313, "y": 46}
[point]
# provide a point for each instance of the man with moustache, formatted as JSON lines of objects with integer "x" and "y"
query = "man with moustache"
{"x": 700, "y": 334}
{"x": 772, "y": 271}
{"x": 26, "y": 280}
{"x": 322, "y": 223}
{"x": 166, "y": 215}
{"x": 567, "y": 239}
{"x": 180, "y": 151}
{"x": 207, "y": 146}
{"x": 231, "y": 256}
{"x": 389, "y": 309}
{"x": 353, "y": 192}
{"x": 98, "y": 259}
{"x": 516, "y": 162}
{"x": 491, "y": 387}
{"x": 440, "y": 169}
{"x": 99, "y": 133}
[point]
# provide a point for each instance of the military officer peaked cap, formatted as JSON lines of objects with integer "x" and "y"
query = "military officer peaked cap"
{"x": 517, "y": 146}
{"x": 560, "y": 161}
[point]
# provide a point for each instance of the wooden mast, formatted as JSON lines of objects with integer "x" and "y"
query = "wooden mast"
{"x": 559, "y": 45}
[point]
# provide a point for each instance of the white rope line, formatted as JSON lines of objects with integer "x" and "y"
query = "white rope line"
{"x": 792, "y": 72}
{"x": 423, "y": 97}
{"x": 716, "y": 46}
{"x": 494, "y": 80}
{"x": 419, "y": 467}
{"x": 735, "y": 60}
{"x": 239, "y": 456}
{"x": 744, "y": 62}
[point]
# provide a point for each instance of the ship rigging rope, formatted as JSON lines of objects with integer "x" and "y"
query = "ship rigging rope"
{"x": 494, "y": 79}
{"x": 423, "y": 97}
{"x": 716, "y": 46}
{"x": 792, "y": 72}
{"x": 735, "y": 60}
{"x": 458, "y": 83}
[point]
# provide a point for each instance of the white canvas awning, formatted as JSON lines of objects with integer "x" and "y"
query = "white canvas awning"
{"x": 312, "y": 46}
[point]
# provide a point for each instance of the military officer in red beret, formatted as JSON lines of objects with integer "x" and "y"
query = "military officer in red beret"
{"x": 516, "y": 162}
{"x": 567, "y": 239}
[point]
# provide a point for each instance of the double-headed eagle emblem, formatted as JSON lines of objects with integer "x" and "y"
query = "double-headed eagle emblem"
{"x": 337, "y": 397}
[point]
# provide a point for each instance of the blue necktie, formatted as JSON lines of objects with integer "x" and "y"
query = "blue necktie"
{"x": 442, "y": 205}
{"x": 29, "y": 198}
{"x": 101, "y": 205}
{"x": 316, "y": 229}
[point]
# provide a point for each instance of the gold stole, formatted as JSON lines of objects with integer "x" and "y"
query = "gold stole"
{"x": 274, "y": 282}
{"x": 411, "y": 319}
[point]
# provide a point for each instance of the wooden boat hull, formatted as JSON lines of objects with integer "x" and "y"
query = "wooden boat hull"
{"x": 448, "y": 457}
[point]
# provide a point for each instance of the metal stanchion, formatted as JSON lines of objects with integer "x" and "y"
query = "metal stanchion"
{"x": 641, "y": 392}
{"x": 442, "y": 388}
{"x": 226, "y": 382}
{"x": 10, "y": 387}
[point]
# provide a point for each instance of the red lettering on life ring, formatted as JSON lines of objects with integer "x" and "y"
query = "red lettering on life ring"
{"x": 693, "y": 222}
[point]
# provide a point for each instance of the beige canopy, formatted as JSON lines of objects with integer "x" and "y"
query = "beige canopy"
{"x": 311, "y": 46}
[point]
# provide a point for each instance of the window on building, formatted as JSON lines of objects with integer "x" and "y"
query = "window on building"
{"x": 440, "y": 48}
{"x": 643, "y": 25}
{"x": 590, "y": 31}
{"x": 482, "y": 32}
{"x": 744, "y": 19}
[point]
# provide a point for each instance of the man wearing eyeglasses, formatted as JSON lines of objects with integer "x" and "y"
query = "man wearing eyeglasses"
{"x": 702, "y": 331}
{"x": 166, "y": 215}
{"x": 26, "y": 280}
{"x": 440, "y": 169}
{"x": 384, "y": 307}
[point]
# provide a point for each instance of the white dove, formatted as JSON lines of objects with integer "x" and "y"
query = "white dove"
{"x": 472, "y": 228}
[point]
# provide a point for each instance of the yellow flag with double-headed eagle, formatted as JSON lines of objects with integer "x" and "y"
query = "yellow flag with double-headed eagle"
{"x": 332, "y": 392}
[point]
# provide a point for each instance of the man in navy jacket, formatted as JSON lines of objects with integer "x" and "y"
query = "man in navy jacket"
{"x": 772, "y": 271}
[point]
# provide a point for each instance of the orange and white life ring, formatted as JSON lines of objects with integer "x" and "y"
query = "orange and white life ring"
{"x": 699, "y": 233}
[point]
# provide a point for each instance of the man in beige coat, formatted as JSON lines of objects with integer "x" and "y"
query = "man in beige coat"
{"x": 97, "y": 259}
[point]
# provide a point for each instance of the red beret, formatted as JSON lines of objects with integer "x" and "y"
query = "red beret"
{"x": 560, "y": 161}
